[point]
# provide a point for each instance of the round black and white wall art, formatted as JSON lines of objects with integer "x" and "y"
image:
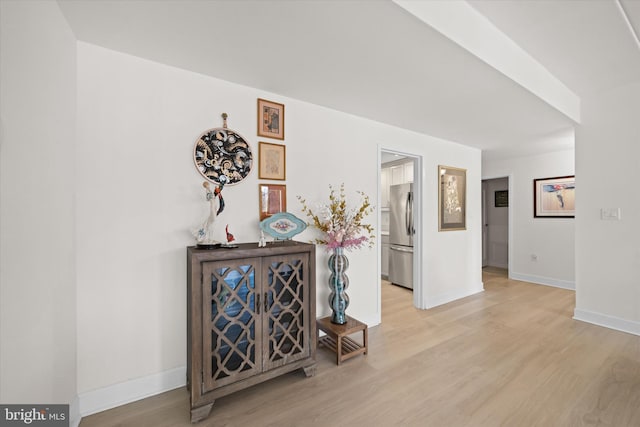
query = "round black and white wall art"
{"x": 222, "y": 156}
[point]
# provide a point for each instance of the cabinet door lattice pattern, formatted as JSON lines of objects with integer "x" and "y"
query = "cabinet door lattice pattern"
{"x": 231, "y": 342}
{"x": 287, "y": 318}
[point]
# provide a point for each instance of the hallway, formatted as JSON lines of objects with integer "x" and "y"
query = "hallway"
{"x": 511, "y": 355}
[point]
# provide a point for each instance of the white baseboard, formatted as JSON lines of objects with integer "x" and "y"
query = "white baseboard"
{"x": 129, "y": 391}
{"x": 498, "y": 265}
{"x": 452, "y": 296}
{"x": 371, "y": 321}
{"x": 74, "y": 412}
{"x": 540, "y": 280}
{"x": 611, "y": 322}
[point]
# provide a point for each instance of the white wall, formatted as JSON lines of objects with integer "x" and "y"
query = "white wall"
{"x": 37, "y": 181}
{"x": 550, "y": 239}
{"x": 608, "y": 169}
{"x": 452, "y": 260}
{"x": 139, "y": 194}
{"x": 497, "y": 225}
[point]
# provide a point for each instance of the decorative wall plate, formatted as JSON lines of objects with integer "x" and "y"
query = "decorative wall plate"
{"x": 222, "y": 156}
{"x": 283, "y": 226}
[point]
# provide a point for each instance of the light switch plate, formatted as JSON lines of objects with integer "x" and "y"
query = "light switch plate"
{"x": 610, "y": 214}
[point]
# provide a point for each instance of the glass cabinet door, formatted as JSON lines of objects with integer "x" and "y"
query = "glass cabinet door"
{"x": 232, "y": 341}
{"x": 286, "y": 318}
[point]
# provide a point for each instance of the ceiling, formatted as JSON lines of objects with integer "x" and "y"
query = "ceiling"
{"x": 586, "y": 44}
{"x": 375, "y": 60}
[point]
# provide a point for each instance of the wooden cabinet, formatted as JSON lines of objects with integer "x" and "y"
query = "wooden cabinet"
{"x": 251, "y": 317}
{"x": 408, "y": 171}
{"x": 397, "y": 174}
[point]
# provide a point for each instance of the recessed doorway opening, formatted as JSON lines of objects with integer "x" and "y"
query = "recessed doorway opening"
{"x": 495, "y": 224}
{"x": 400, "y": 222}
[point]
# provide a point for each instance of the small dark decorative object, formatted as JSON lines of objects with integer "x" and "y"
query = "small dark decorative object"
{"x": 230, "y": 238}
{"x": 501, "y": 199}
{"x": 222, "y": 155}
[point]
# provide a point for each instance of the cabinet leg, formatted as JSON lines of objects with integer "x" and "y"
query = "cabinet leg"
{"x": 200, "y": 413}
{"x": 310, "y": 371}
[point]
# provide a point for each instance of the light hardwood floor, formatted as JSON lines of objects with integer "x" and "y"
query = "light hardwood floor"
{"x": 509, "y": 356}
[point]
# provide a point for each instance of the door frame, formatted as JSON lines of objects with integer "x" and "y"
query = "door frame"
{"x": 509, "y": 216}
{"x": 485, "y": 226}
{"x": 418, "y": 282}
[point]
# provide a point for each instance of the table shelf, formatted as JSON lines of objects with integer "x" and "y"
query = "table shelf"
{"x": 337, "y": 338}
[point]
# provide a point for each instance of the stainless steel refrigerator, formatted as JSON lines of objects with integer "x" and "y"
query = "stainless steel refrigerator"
{"x": 401, "y": 233}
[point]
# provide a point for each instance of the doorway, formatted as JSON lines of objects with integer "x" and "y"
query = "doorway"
{"x": 495, "y": 221}
{"x": 399, "y": 261}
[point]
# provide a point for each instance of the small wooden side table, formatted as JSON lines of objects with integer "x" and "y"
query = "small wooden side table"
{"x": 337, "y": 338}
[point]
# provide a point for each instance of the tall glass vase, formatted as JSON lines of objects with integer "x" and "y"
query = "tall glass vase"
{"x": 338, "y": 283}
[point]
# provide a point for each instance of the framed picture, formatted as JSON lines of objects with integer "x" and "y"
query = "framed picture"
{"x": 501, "y": 199}
{"x": 273, "y": 199}
{"x": 272, "y": 161}
{"x": 270, "y": 119}
{"x": 554, "y": 197}
{"x": 452, "y": 198}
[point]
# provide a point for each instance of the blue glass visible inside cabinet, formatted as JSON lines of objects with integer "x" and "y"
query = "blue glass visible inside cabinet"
{"x": 286, "y": 315}
{"x": 232, "y": 315}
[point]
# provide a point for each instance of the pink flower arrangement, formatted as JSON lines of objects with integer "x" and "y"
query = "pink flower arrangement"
{"x": 340, "y": 226}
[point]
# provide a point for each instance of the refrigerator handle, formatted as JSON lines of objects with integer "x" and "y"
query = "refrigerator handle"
{"x": 407, "y": 225}
{"x": 413, "y": 218}
{"x": 411, "y": 229}
{"x": 401, "y": 249}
